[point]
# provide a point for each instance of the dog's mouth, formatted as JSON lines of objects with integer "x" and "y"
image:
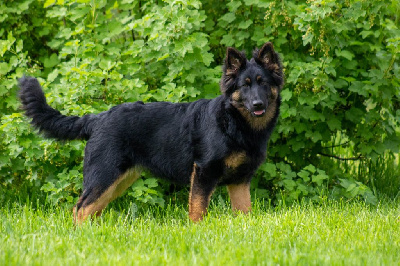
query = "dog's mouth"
{"x": 258, "y": 112}
{"x": 255, "y": 113}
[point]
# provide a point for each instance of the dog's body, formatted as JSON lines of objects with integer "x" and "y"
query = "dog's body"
{"x": 204, "y": 143}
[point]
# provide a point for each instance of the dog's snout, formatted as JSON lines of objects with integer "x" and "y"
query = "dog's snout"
{"x": 258, "y": 103}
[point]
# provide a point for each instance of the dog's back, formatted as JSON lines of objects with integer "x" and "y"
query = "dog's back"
{"x": 162, "y": 137}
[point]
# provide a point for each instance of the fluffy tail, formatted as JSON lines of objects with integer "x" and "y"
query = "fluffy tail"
{"x": 48, "y": 120}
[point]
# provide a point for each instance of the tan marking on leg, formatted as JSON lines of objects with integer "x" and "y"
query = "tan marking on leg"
{"x": 115, "y": 190}
{"x": 235, "y": 159}
{"x": 198, "y": 202}
{"x": 127, "y": 180}
{"x": 240, "y": 197}
{"x": 75, "y": 210}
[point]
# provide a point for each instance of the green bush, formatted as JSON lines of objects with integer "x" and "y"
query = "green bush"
{"x": 340, "y": 104}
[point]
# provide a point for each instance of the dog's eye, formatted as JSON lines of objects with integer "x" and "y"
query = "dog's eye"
{"x": 262, "y": 81}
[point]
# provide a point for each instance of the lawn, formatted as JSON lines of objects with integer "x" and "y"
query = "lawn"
{"x": 338, "y": 233}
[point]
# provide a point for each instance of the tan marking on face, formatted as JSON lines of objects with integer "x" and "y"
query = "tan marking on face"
{"x": 257, "y": 123}
{"x": 198, "y": 202}
{"x": 248, "y": 81}
{"x": 274, "y": 91}
{"x": 115, "y": 190}
{"x": 235, "y": 159}
{"x": 236, "y": 96}
{"x": 260, "y": 123}
{"x": 240, "y": 197}
{"x": 258, "y": 78}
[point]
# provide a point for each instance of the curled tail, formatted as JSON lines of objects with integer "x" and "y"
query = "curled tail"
{"x": 48, "y": 120}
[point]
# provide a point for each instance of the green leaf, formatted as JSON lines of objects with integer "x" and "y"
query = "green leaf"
{"x": 52, "y": 76}
{"x": 245, "y": 24}
{"x": 366, "y": 33}
{"x": 19, "y": 46}
{"x": 286, "y": 95}
{"x": 354, "y": 115}
{"x": 358, "y": 87}
{"x": 370, "y": 104}
{"x": 199, "y": 39}
{"x": 334, "y": 124}
{"x": 251, "y": 2}
{"x": 314, "y": 136}
{"x": 289, "y": 174}
{"x": 307, "y": 38}
{"x": 330, "y": 70}
{"x": 228, "y": 40}
{"x": 344, "y": 53}
{"x": 207, "y": 58}
{"x": 228, "y": 17}
{"x": 151, "y": 182}
{"x": 351, "y": 187}
{"x": 269, "y": 168}
{"x": 319, "y": 179}
{"x": 234, "y": 5}
{"x": 310, "y": 168}
{"x": 51, "y": 61}
{"x": 305, "y": 175}
{"x": 48, "y": 3}
{"x": 4, "y": 68}
{"x": 262, "y": 193}
{"x": 106, "y": 64}
{"x": 163, "y": 57}
{"x": 289, "y": 184}
{"x": 5, "y": 45}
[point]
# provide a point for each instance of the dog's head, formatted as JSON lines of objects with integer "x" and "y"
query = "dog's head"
{"x": 252, "y": 85}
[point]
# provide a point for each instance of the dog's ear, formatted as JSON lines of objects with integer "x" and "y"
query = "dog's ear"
{"x": 234, "y": 61}
{"x": 266, "y": 55}
{"x": 269, "y": 59}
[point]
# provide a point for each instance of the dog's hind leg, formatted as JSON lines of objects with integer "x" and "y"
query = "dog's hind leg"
{"x": 96, "y": 196}
{"x": 240, "y": 197}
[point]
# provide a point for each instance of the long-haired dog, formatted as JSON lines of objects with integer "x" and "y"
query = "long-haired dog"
{"x": 204, "y": 144}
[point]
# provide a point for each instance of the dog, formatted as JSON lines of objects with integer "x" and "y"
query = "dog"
{"x": 204, "y": 144}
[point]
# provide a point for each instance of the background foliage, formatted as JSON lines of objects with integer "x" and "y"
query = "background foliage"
{"x": 338, "y": 134}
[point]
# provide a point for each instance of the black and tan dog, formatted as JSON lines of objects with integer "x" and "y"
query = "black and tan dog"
{"x": 205, "y": 143}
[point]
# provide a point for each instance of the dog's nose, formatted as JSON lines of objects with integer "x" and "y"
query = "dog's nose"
{"x": 258, "y": 103}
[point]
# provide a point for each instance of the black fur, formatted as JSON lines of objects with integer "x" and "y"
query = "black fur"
{"x": 167, "y": 138}
{"x": 49, "y": 120}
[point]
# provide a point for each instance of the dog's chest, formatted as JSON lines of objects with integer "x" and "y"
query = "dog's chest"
{"x": 238, "y": 167}
{"x": 235, "y": 160}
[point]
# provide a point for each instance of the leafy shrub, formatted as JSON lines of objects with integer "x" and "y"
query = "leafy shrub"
{"x": 340, "y": 104}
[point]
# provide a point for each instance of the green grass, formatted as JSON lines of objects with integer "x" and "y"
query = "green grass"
{"x": 337, "y": 233}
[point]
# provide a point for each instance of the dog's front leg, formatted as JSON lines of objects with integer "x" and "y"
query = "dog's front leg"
{"x": 201, "y": 188}
{"x": 240, "y": 197}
